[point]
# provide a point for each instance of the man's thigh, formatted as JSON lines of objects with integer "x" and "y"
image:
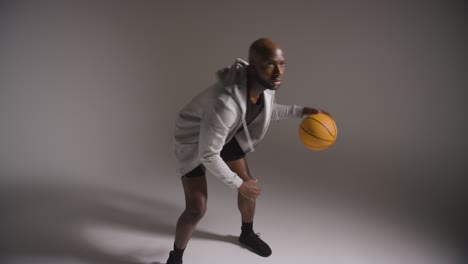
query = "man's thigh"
{"x": 195, "y": 189}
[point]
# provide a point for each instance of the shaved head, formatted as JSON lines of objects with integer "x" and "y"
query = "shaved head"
{"x": 262, "y": 48}
{"x": 266, "y": 63}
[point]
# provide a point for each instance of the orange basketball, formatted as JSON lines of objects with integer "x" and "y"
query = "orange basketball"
{"x": 318, "y": 131}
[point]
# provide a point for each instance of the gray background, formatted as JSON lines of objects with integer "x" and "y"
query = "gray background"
{"x": 88, "y": 95}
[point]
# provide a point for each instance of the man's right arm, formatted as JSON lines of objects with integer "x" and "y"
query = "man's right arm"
{"x": 215, "y": 126}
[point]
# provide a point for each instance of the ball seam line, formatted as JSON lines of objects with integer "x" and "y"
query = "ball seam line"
{"x": 329, "y": 132}
{"x": 305, "y": 130}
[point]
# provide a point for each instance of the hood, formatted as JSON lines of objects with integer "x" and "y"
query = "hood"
{"x": 230, "y": 75}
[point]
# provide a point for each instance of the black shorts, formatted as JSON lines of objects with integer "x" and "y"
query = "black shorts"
{"x": 231, "y": 151}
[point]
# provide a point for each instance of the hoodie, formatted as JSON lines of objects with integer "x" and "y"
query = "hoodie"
{"x": 213, "y": 118}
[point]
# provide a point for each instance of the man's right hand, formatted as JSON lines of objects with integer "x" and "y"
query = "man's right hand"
{"x": 250, "y": 189}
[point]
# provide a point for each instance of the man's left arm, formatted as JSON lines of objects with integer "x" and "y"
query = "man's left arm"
{"x": 281, "y": 112}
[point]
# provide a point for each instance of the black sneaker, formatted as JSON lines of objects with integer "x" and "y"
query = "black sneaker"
{"x": 254, "y": 243}
{"x": 172, "y": 259}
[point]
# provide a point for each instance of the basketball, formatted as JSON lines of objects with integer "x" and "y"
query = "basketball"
{"x": 318, "y": 131}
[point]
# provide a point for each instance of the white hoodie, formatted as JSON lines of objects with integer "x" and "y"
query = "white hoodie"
{"x": 213, "y": 117}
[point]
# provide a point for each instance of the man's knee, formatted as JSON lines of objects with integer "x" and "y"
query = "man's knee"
{"x": 196, "y": 211}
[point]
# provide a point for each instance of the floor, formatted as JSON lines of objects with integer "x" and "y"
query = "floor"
{"x": 51, "y": 220}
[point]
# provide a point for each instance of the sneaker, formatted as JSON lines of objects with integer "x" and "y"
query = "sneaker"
{"x": 172, "y": 259}
{"x": 254, "y": 243}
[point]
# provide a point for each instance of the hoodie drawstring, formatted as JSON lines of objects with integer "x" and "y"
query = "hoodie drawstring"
{"x": 247, "y": 133}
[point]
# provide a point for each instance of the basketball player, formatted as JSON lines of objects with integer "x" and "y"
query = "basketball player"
{"x": 216, "y": 130}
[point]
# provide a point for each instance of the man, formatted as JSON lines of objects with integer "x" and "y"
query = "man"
{"x": 216, "y": 130}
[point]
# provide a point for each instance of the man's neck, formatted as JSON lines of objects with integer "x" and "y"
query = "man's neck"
{"x": 254, "y": 90}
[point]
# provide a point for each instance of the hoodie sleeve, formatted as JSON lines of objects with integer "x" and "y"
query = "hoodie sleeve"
{"x": 214, "y": 128}
{"x": 286, "y": 111}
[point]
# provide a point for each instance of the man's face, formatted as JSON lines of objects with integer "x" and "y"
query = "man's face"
{"x": 268, "y": 69}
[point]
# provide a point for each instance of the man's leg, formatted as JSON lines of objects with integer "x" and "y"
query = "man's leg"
{"x": 247, "y": 209}
{"x": 246, "y": 206}
{"x": 195, "y": 189}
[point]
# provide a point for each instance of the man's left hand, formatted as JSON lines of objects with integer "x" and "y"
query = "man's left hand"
{"x": 310, "y": 110}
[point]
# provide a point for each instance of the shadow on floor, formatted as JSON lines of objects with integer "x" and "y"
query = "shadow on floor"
{"x": 47, "y": 221}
